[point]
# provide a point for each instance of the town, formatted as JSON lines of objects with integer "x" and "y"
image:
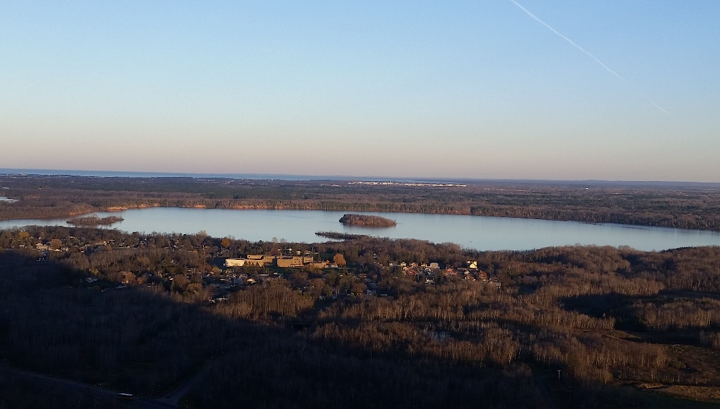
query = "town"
{"x": 321, "y": 276}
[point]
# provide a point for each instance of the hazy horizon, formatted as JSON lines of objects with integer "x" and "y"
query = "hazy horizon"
{"x": 493, "y": 90}
{"x": 290, "y": 177}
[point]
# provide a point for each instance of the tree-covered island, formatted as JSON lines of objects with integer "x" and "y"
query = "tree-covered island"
{"x": 351, "y": 219}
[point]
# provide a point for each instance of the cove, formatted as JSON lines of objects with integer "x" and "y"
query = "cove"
{"x": 473, "y": 232}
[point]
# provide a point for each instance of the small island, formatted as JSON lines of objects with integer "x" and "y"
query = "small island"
{"x": 351, "y": 219}
{"x": 94, "y": 220}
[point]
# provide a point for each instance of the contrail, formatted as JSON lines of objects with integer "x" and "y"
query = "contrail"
{"x": 534, "y": 17}
{"x": 586, "y": 52}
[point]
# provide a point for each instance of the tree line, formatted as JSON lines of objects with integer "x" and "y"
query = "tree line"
{"x": 688, "y": 206}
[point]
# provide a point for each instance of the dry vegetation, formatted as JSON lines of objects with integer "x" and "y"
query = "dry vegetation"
{"x": 612, "y": 321}
{"x": 350, "y": 219}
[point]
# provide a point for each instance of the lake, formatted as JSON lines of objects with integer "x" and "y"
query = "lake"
{"x": 475, "y": 232}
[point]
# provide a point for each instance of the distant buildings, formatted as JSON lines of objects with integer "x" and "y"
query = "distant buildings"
{"x": 261, "y": 260}
{"x": 235, "y": 262}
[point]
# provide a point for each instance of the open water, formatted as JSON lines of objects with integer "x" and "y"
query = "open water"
{"x": 475, "y": 232}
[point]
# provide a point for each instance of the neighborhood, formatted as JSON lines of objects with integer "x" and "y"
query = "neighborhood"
{"x": 208, "y": 269}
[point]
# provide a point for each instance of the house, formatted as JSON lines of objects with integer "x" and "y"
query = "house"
{"x": 234, "y": 262}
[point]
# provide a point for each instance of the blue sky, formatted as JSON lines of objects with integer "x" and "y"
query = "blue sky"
{"x": 374, "y": 88}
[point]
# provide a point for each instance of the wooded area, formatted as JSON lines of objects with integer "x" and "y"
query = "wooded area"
{"x": 681, "y": 205}
{"x": 140, "y": 313}
{"x": 351, "y": 219}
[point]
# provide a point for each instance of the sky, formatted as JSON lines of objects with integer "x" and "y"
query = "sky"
{"x": 486, "y": 89}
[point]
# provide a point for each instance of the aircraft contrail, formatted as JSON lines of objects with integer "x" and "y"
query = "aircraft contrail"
{"x": 586, "y": 52}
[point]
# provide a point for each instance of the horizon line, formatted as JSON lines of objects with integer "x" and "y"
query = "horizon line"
{"x": 270, "y": 176}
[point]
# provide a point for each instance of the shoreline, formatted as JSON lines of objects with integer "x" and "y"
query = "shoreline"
{"x": 689, "y": 207}
{"x": 241, "y": 207}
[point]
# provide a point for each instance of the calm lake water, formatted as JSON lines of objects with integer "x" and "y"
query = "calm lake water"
{"x": 481, "y": 233}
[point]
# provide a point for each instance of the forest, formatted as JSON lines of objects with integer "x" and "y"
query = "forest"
{"x": 679, "y": 205}
{"x": 388, "y": 323}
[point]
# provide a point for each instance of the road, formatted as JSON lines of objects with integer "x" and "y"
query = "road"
{"x": 169, "y": 402}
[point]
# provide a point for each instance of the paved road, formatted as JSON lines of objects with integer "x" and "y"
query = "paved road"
{"x": 110, "y": 395}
